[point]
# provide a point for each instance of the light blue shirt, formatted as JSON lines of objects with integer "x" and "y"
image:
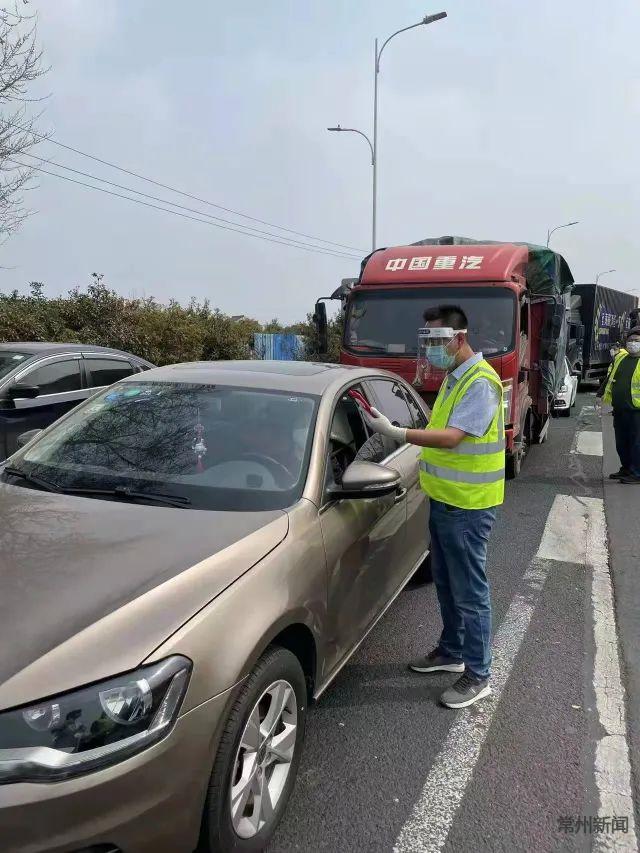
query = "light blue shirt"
{"x": 474, "y": 412}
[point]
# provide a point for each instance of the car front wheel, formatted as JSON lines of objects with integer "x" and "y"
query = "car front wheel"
{"x": 258, "y": 757}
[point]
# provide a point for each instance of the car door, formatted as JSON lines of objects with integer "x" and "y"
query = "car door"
{"x": 362, "y": 539}
{"x": 60, "y": 389}
{"x": 403, "y": 408}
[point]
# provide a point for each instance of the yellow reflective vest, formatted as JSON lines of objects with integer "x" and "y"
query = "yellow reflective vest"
{"x": 635, "y": 379}
{"x": 471, "y": 475}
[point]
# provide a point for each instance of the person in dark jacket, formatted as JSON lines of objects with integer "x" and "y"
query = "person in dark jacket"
{"x": 622, "y": 391}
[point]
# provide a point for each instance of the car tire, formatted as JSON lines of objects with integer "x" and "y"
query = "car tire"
{"x": 277, "y": 670}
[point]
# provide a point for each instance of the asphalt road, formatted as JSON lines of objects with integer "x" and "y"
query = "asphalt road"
{"x": 374, "y": 738}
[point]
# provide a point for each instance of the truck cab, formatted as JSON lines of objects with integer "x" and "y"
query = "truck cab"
{"x": 383, "y": 310}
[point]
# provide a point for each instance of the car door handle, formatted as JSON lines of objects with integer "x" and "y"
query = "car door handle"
{"x": 400, "y": 495}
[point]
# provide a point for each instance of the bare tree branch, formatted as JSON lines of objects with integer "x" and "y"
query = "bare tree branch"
{"x": 20, "y": 66}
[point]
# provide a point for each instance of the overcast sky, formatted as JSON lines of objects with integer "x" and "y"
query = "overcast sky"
{"x": 504, "y": 119}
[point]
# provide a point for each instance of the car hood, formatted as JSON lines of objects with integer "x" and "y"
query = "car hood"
{"x": 71, "y": 568}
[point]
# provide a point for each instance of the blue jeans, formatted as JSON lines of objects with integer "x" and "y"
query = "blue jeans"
{"x": 459, "y": 539}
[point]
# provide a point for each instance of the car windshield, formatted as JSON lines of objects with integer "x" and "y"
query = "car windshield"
{"x": 212, "y": 447}
{"x": 388, "y": 322}
{"x": 10, "y": 360}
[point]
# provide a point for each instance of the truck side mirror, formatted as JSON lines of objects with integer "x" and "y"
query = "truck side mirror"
{"x": 320, "y": 323}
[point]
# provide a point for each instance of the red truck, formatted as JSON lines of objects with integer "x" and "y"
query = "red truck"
{"x": 516, "y": 297}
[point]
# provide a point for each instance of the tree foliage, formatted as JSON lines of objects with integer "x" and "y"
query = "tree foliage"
{"x": 163, "y": 334}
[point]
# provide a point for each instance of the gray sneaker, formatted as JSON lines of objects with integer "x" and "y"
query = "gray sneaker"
{"x": 435, "y": 661}
{"x": 467, "y": 690}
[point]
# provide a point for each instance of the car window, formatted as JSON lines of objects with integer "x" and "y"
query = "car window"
{"x": 106, "y": 371}
{"x": 10, "y": 360}
{"x": 347, "y": 436}
{"x": 57, "y": 377}
{"x": 222, "y": 448}
{"x": 392, "y": 402}
{"x": 419, "y": 417}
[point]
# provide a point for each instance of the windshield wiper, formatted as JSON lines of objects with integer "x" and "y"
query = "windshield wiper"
{"x": 33, "y": 479}
{"x": 125, "y": 493}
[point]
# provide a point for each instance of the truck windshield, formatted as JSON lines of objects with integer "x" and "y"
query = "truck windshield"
{"x": 387, "y": 321}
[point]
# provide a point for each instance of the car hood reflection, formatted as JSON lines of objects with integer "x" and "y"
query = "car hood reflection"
{"x": 71, "y": 564}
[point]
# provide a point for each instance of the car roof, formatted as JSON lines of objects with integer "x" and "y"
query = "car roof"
{"x": 51, "y": 348}
{"x": 297, "y": 376}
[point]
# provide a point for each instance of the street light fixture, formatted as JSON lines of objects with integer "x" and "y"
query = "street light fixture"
{"x": 360, "y": 133}
{"x": 606, "y": 272}
{"x": 566, "y": 225}
{"x": 428, "y": 19}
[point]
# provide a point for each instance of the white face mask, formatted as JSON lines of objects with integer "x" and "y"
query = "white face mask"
{"x": 633, "y": 347}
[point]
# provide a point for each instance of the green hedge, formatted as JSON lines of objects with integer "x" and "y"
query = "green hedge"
{"x": 163, "y": 334}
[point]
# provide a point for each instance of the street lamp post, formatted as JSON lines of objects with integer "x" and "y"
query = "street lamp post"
{"x": 605, "y": 272}
{"x": 428, "y": 19}
{"x": 566, "y": 225}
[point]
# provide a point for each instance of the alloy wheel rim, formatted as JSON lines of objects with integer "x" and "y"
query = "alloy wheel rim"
{"x": 263, "y": 760}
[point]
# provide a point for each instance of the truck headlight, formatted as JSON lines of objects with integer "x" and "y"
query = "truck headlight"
{"x": 93, "y": 727}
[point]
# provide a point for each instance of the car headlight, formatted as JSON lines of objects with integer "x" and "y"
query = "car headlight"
{"x": 563, "y": 389}
{"x": 93, "y": 727}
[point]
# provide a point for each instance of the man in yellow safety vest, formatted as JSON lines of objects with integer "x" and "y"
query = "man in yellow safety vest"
{"x": 462, "y": 470}
{"x": 622, "y": 391}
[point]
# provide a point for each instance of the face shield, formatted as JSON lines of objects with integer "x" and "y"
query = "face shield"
{"x": 437, "y": 349}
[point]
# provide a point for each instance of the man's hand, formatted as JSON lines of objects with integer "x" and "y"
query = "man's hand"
{"x": 381, "y": 424}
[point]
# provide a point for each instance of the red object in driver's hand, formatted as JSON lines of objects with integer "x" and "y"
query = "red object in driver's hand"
{"x": 357, "y": 396}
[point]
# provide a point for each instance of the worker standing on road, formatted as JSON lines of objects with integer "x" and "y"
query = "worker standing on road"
{"x": 623, "y": 392}
{"x": 462, "y": 470}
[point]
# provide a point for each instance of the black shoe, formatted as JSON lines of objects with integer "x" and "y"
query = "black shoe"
{"x": 629, "y": 478}
{"x": 618, "y": 475}
{"x": 467, "y": 690}
{"x": 436, "y": 661}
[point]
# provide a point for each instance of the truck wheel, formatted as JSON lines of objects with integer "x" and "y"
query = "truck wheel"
{"x": 258, "y": 757}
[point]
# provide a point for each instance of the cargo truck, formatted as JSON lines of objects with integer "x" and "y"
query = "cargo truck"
{"x": 516, "y": 297}
{"x": 599, "y": 320}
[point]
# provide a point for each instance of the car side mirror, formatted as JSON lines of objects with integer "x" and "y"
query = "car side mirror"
{"x": 366, "y": 480}
{"x": 575, "y": 372}
{"x": 24, "y": 392}
{"x": 25, "y": 437}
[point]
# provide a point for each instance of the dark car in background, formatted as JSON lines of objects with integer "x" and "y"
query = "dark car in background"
{"x": 39, "y": 382}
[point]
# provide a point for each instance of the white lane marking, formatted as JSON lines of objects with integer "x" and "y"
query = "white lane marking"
{"x": 580, "y": 519}
{"x": 564, "y": 536}
{"x": 612, "y": 765}
{"x": 587, "y": 443}
{"x": 427, "y": 828}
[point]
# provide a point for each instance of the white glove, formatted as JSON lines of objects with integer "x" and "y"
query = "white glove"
{"x": 381, "y": 424}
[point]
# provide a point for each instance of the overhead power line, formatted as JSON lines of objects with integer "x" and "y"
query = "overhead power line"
{"x": 307, "y": 247}
{"x": 192, "y": 196}
{"x": 175, "y": 204}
